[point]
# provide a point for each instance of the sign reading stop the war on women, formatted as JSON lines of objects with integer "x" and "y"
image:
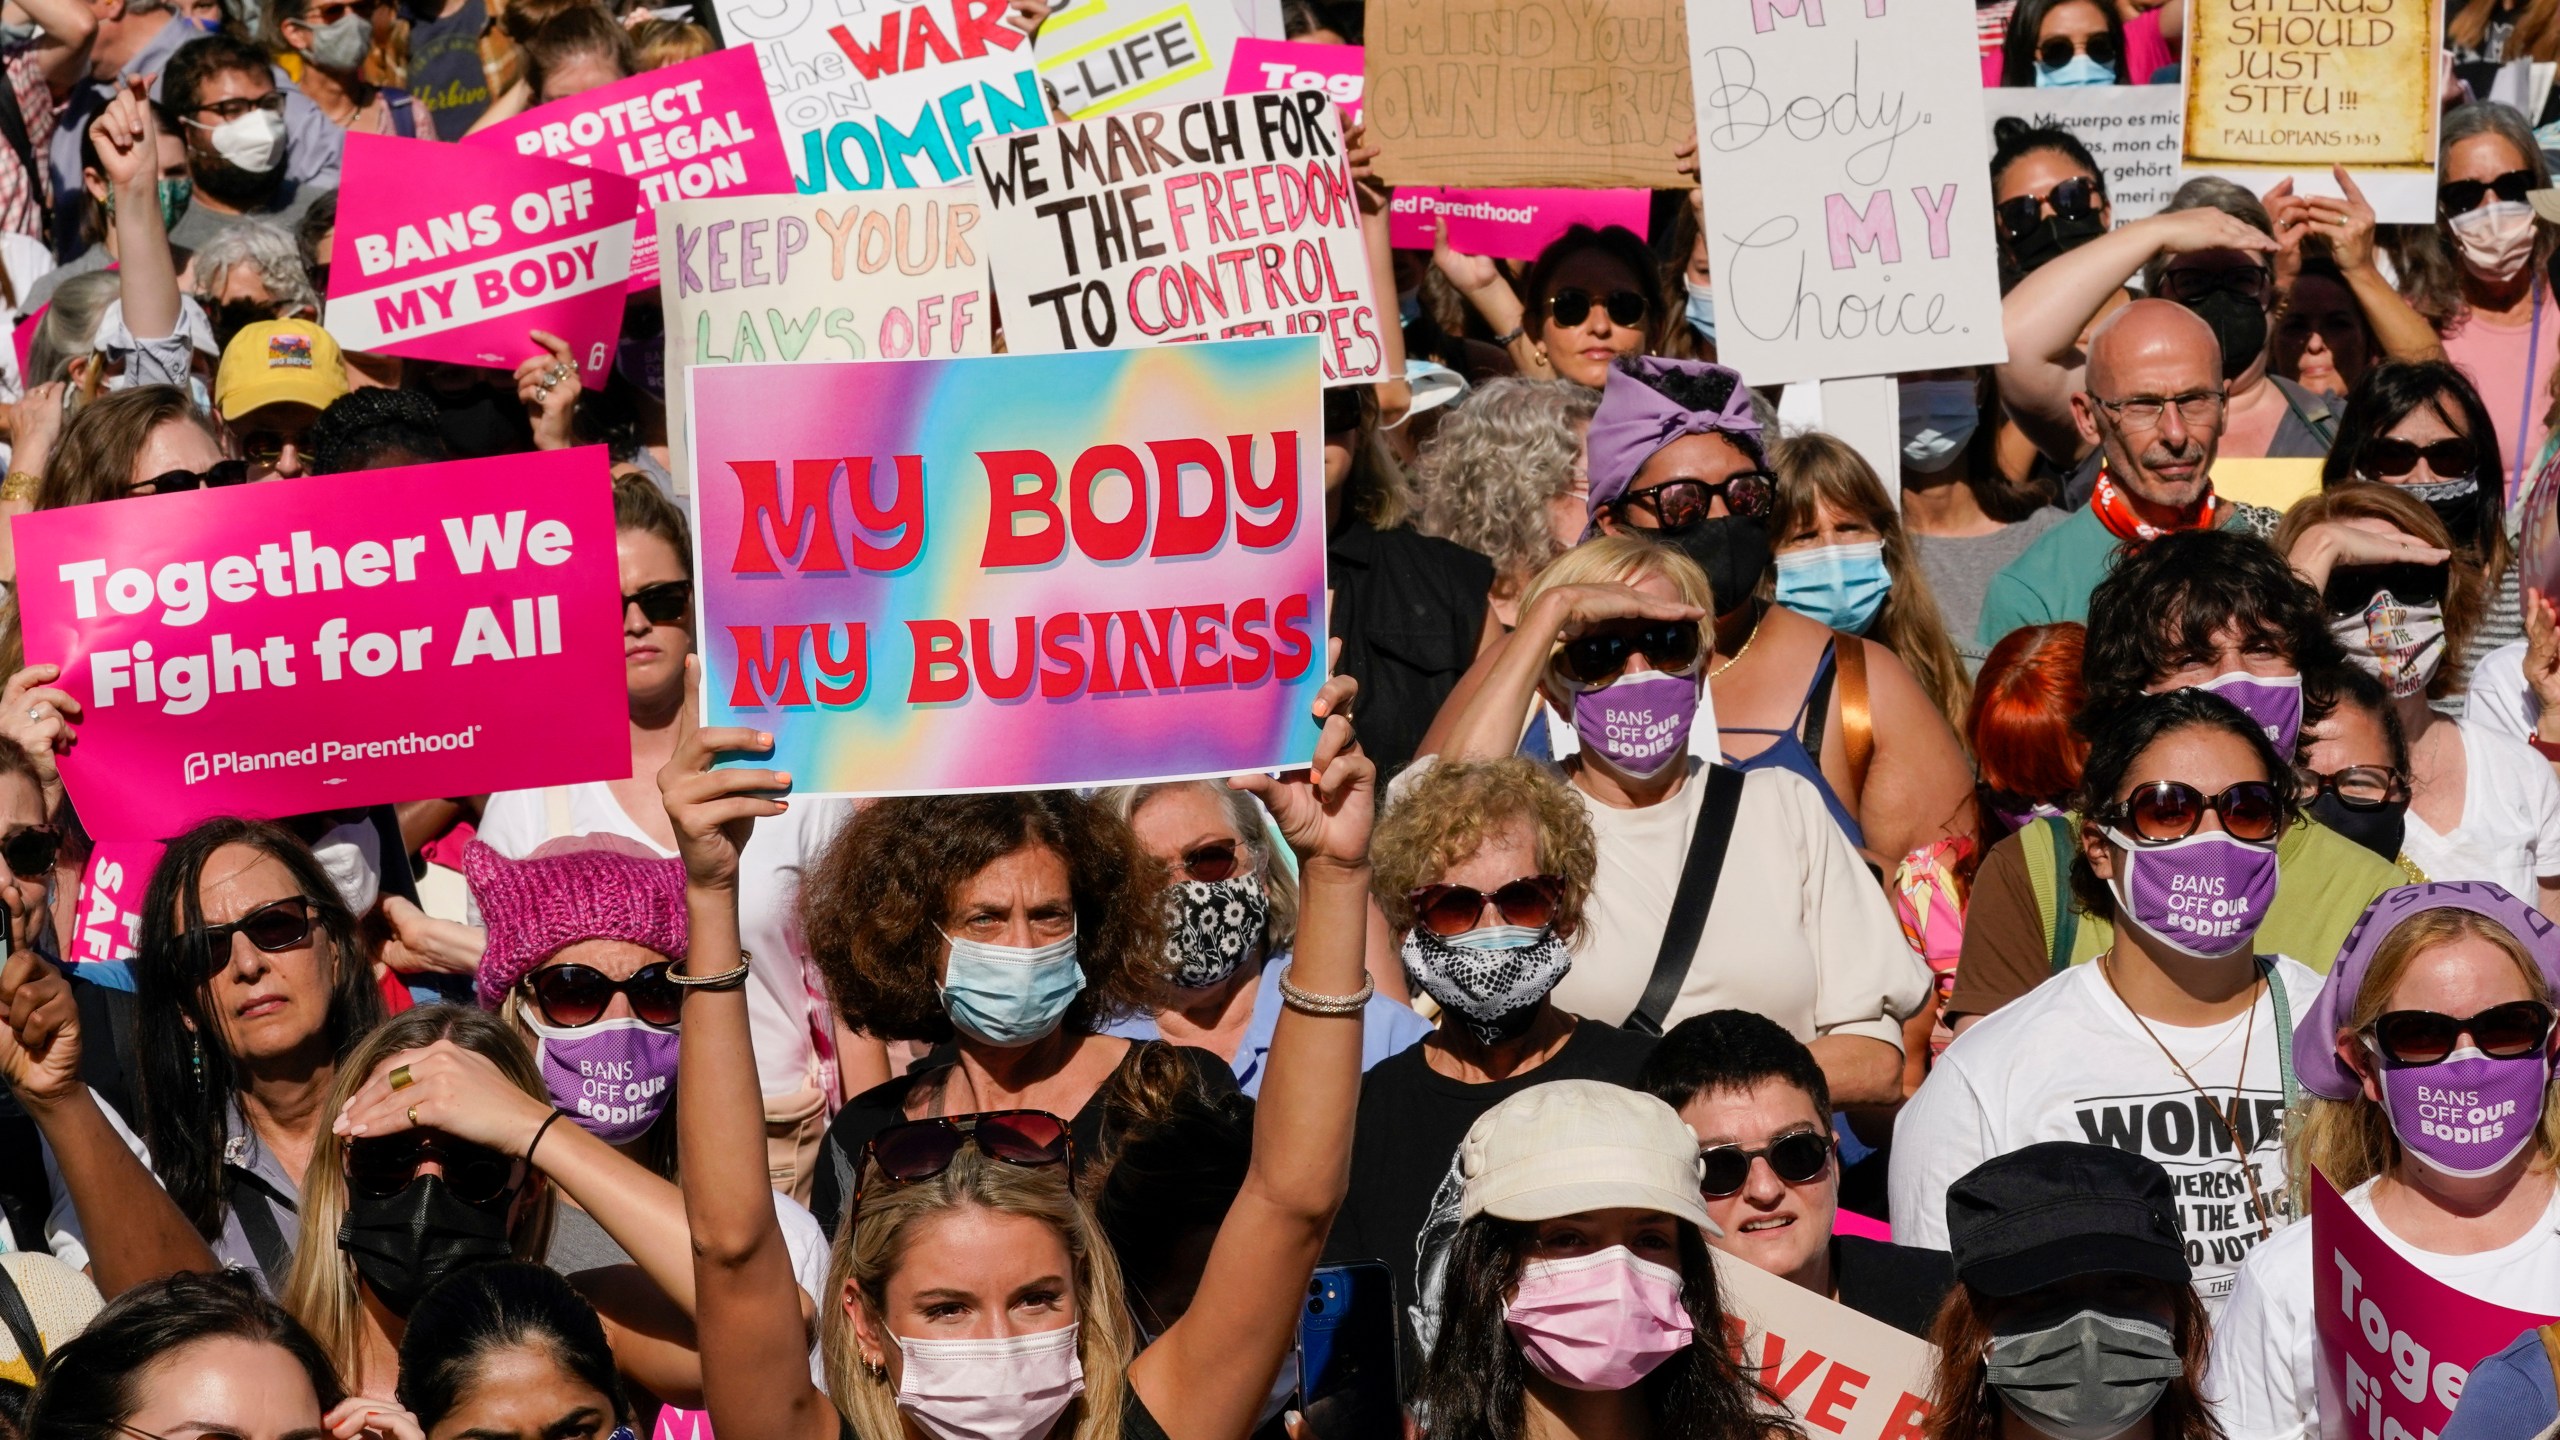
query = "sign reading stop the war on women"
{"x": 1014, "y": 571}
{"x": 275, "y": 650}
{"x": 1214, "y": 220}
{"x": 685, "y": 132}
{"x": 452, "y": 252}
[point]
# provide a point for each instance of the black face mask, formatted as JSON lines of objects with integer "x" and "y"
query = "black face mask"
{"x": 240, "y": 189}
{"x": 2239, "y": 323}
{"x": 1732, "y": 549}
{"x": 2053, "y": 235}
{"x": 2461, "y": 517}
{"x": 404, "y": 1244}
{"x": 2379, "y": 830}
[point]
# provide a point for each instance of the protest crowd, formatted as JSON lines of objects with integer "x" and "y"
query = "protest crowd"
{"x": 1337, "y": 720}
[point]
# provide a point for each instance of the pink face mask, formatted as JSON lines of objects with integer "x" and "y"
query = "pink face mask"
{"x": 1601, "y": 1321}
{"x": 1009, "y": 1389}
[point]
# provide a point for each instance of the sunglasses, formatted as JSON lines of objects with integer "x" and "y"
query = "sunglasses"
{"x": 2450, "y": 458}
{"x": 2195, "y": 283}
{"x": 1679, "y": 505}
{"x": 266, "y": 447}
{"x": 921, "y": 1149}
{"x": 1599, "y": 654}
{"x": 1210, "y": 863}
{"x": 664, "y": 603}
{"x": 1529, "y": 901}
{"x": 275, "y": 927}
{"x": 2057, "y": 50}
{"x": 2352, "y": 587}
{"x": 2460, "y": 197}
{"x": 2423, "y": 1037}
{"x": 571, "y": 996}
{"x": 380, "y": 1168}
{"x": 213, "y": 477}
{"x": 31, "y": 850}
{"x": 2167, "y": 810}
{"x": 2072, "y": 199}
{"x": 1796, "y": 1158}
{"x": 1571, "y": 306}
{"x": 2358, "y": 787}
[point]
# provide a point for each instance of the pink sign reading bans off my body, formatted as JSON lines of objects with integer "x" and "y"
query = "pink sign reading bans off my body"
{"x": 451, "y": 252}
{"x": 1510, "y": 224}
{"x": 686, "y": 132}
{"x": 1296, "y": 65}
{"x": 321, "y": 644}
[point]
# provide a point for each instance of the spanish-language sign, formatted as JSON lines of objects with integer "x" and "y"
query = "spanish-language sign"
{"x": 700, "y": 128}
{"x": 107, "y": 924}
{"x": 279, "y": 649}
{"x": 804, "y": 278}
{"x": 875, "y": 93}
{"x": 1260, "y": 64}
{"x": 2288, "y": 90}
{"x": 2130, "y": 130}
{"x": 1510, "y": 224}
{"x": 1837, "y": 1371}
{"x": 1526, "y": 93}
{"x": 1849, "y": 211}
{"x": 1014, "y": 571}
{"x": 451, "y": 252}
{"x": 1224, "y": 218}
{"x": 2395, "y": 1343}
{"x": 1099, "y": 56}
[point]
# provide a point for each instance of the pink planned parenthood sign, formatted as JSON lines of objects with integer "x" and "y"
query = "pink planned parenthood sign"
{"x": 687, "y": 132}
{"x": 1509, "y": 224}
{"x": 332, "y": 642}
{"x": 459, "y": 253}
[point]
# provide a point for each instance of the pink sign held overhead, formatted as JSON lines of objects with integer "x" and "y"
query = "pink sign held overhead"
{"x": 1510, "y": 224}
{"x": 686, "y": 132}
{"x": 327, "y": 643}
{"x": 1294, "y": 65}
{"x": 458, "y": 253}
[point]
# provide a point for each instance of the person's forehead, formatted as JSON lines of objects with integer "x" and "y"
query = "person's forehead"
{"x": 2166, "y": 364}
{"x": 224, "y": 85}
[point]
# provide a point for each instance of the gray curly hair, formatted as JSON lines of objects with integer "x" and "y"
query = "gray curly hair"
{"x": 1496, "y": 462}
{"x": 275, "y": 255}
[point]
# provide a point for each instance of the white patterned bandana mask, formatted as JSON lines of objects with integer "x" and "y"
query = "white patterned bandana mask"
{"x": 1493, "y": 978}
{"x": 1213, "y": 925}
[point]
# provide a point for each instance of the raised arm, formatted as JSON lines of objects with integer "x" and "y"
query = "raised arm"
{"x": 63, "y": 54}
{"x": 1487, "y": 726}
{"x": 128, "y": 141}
{"x": 2346, "y": 222}
{"x": 1212, "y": 1369}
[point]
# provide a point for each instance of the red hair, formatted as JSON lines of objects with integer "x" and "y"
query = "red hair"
{"x": 2023, "y": 701}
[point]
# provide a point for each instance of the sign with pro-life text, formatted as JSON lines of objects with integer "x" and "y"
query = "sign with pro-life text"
{"x": 1215, "y": 220}
{"x": 1015, "y": 571}
{"x": 1509, "y": 224}
{"x": 2130, "y": 130}
{"x": 888, "y": 93}
{"x": 2396, "y": 1344}
{"x": 685, "y": 132}
{"x": 1837, "y": 1372}
{"x": 277, "y": 649}
{"x": 2276, "y": 91}
{"x": 1099, "y": 56}
{"x": 1849, "y": 211}
{"x": 452, "y": 252}
{"x": 1261, "y": 64}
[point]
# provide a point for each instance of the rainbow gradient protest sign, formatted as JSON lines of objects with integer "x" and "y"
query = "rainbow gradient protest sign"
{"x": 1015, "y": 571}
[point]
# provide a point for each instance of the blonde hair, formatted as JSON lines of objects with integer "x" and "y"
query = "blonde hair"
{"x": 871, "y": 1247}
{"x": 1621, "y": 559}
{"x": 2466, "y": 591}
{"x": 2350, "y": 1141}
{"x": 1448, "y": 812}
{"x": 1251, "y": 821}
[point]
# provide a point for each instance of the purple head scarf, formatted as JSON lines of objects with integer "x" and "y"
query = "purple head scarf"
{"x": 1636, "y": 420}
{"x": 2315, "y": 1035}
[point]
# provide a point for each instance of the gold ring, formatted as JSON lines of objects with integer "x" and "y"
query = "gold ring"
{"x": 401, "y": 1079}
{"x": 413, "y": 1114}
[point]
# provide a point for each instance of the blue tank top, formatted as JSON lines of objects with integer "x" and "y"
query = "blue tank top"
{"x": 1797, "y": 746}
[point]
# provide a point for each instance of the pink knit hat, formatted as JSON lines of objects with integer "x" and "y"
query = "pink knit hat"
{"x": 602, "y": 887}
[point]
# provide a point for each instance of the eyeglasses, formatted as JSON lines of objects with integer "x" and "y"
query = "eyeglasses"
{"x": 1600, "y": 653}
{"x": 574, "y": 995}
{"x": 921, "y": 1149}
{"x": 1796, "y": 1158}
{"x": 2167, "y": 810}
{"x": 275, "y": 927}
{"x": 664, "y": 603}
{"x": 2072, "y": 199}
{"x": 31, "y": 850}
{"x": 2351, "y": 588}
{"x": 226, "y": 111}
{"x": 1679, "y": 505}
{"x": 214, "y": 476}
{"x": 2141, "y": 412}
{"x": 2057, "y": 50}
{"x": 1211, "y": 863}
{"x": 1529, "y": 901}
{"x": 382, "y": 1167}
{"x": 2450, "y": 458}
{"x": 2358, "y": 787}
{"x": 2460, "y": 197}
{"x": 2423, "y": 1037}
{"x": 2196, "y": 282}
{"x": 1571, "y": 306}
{"x": 267, "y": 447}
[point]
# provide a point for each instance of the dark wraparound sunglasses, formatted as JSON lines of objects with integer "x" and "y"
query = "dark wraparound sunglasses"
{"x": 2167, "y": 810}
{"x": 275, "y": 927}
{"x": 2057, "y": 50}
{"x": 1679, "y": 505}
{"x": 31, "y": 850}
{"x": 2461, "y": 197}
{"x": 574, "y": 995}
{"x": 1796, "y": 1158}
{"x": 1211, "y": 863}
{"x": 2423, "y": 1037}
{"x": 921, "y": 1149}
{"x": 380, "y": 1168}
{"x": 2450, "y": 458}
{"x": 2072, "y": 199}
{"x": 2352, "y": 587}
{"x": 1597, "y": 655}
{"x": 215, "y": 476}
{"x": 663, "y": 603}
{"x": 1571, "y": 306}
{"x": 1529, "y": 901}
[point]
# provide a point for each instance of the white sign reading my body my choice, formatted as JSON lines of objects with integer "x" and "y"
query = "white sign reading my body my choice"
{"x": 1849, "y": 211}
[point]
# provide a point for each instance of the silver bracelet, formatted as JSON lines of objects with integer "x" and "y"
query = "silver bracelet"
{"x": 725, "y": 980}
{"x": 1308, "y": 1003}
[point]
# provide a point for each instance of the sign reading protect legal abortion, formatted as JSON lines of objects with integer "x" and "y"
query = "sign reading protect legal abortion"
{"x": 1216, "y": 220}
{"x": 451, "y": 252}
{"x": 688, "y": 131}
{"x": 276, "y": 649}
{"x": 1016, "y": 571}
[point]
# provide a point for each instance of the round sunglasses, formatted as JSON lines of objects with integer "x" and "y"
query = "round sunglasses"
{"x": 275, "y": 927}
{"x": 1218, "y": 860}
{"x": 2423, "y": 1037}
{"x": 1529, "y": 901}
{"x": 1796, "y": 1158}
{"x": 1571, "y": 306}
{"x": 664, "y": 603}
{"x": 1597, "y": 655}
{"x": 2167, "y": 810}
{"x": 2058, "y": 50}
{"x": 31, "y": 850}
{"x": 2072, "y": 199}
{"x": 380, "y": 1168}
{"x": 1679, "y": 505}
{"x": 572, "y": 995}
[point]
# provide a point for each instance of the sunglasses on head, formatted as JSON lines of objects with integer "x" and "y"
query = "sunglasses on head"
{"x": 2352, "y": 587}
{"x": 212, "y": 477}
{"x": 275, "y": 927}
{"x": 1210, "y": 863}
{"x": 2461, "y": 197}
{"x": 573, "y": 995}
{"x": 31, "y": 850}
{"x": 664, "y": 603}
{"x": 2167, "y": 810}
{"x": 1682, "y": 504}
{"x": 1571, "y": 306}
{"x": 2057, "y": 50}
{"x": 2072, "y": 199}
{"x": 1529, "y": 901}
{"x": 921, "y": 1149}
{"x": 1796, "y": 1158}
{"x": 2450, "y": 458}
{"x": 1597, "y": 655}
{"x": 2423, "y": 1037}
{"x": 380, "y": 1168}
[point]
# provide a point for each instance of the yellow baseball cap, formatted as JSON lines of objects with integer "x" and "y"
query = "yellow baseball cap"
{"x": 278, "y": 361}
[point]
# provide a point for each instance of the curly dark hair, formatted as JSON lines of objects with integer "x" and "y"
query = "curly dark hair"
{"x": 2163, "y": 605}
{"x": 871, "y": 906}
{"x": 2128, "y": 732}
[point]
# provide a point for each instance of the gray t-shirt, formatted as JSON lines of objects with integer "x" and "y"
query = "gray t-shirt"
{"x": 1960, "y": 570}
{"x": 200, "y": 224}
{"x": 579, "y": 1243}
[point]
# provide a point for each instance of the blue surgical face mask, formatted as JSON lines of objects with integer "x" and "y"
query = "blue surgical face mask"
{"x": 1009, "y": 997}
{"x": 1702, "y": 309}
{"x": 2081, "y": 71}
{"x": 1841, "y": 586}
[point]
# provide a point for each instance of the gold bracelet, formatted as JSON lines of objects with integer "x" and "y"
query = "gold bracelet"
{"x": 1309, "y": 1003}
{"x": 20, "y": 486}
{"x": 725, "y": 980}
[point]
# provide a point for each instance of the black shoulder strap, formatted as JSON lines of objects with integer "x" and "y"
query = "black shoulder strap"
{"x": 13, "y": 128}
{"x": 21, "y": 1322}
{"x": 254, "y": 1202}
{"x": 1690, "y": 903}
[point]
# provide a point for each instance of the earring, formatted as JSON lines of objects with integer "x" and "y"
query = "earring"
{"x": 195, "y": 1056}
{"x": 875, "y": 1369}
